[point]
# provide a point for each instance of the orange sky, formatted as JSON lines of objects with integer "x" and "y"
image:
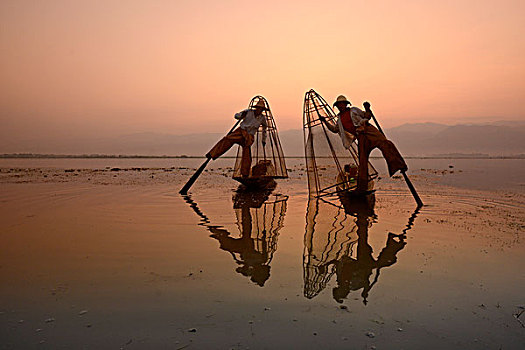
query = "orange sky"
{"x": 86, "y": 67}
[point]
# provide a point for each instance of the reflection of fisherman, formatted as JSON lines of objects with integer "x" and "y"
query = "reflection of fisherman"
{"x": 251, "y": 118}
{"x": 252, "y": 261}
{"x": 354, "y": 274}
{"x": 331, "y": 247}
{"x": 254, "y": 250}
{"x": 353, "y": 122}
{"x": 259, "y": 222}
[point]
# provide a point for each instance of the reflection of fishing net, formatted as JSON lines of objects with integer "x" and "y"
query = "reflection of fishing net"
{"x": 264, "y": 223}
{"x": 325, "y": 242}
{"x": 268, "y": 161}
{"x": 330, "y": 166}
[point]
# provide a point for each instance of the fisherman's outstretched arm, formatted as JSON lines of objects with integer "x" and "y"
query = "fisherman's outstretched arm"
{"x": 331, "y": 126}
{"x": 241, "y": 114}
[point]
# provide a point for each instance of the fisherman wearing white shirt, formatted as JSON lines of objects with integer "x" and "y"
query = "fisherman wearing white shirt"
{"x": 252, "y": 119}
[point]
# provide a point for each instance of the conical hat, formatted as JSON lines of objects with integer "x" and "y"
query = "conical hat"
{"x": 260, "y": 104}
{"x": 342, "y": 98}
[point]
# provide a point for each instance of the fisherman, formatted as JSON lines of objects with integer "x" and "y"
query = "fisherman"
{"x": 353, "y": 123}
{"x": 251, "y": 118}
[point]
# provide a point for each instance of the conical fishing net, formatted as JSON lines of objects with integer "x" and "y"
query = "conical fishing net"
{"x": 331, "y": 167}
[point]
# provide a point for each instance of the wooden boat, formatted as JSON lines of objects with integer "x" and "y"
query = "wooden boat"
{"x": 256, "y": 183}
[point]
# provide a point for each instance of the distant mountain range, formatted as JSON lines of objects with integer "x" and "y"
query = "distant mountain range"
{"x": 501, "y": 138}
{"x": 421, "y": 139}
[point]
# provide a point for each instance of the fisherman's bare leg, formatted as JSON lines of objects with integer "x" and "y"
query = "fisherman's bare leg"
{"x": 246, "y": 161}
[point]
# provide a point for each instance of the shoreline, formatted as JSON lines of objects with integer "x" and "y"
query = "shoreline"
{"x": 117, "y": 156}
{"x": 484, "y": 175}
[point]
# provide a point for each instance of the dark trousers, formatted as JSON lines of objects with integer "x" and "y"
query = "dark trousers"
{"x": 372, "y": 138}
{"x": 240, "y": 137}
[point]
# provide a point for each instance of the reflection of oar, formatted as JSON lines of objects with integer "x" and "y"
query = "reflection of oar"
{"x": 195, "y": 207}
{"x": 407, "y": 180}
{"x": 204, "y": 219}
{"x": 408, "y": 226}
{"x": 411, "y": 220}
{"x": 192, "y": 179}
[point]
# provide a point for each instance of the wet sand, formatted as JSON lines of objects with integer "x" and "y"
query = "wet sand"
{"x": 96, "y": 257}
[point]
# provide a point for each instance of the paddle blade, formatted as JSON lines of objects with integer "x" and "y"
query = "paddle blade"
{"x": 194, "y": 177}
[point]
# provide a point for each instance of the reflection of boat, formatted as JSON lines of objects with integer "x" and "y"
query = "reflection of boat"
{"x": 331, "y": 167}
{"x": 358, "y": 205}
{"x": 267, "y": 159}
{"x": 336, "y": 243}
{"x": 259, "y": 219}
{"x": 256, "y": 183}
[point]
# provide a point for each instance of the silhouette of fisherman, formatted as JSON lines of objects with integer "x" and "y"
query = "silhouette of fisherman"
{"x": 354, "y": 274}
{"x": 254, "y": 252}
{"x": 352, "y": 123}
{"x": 251, "y": 118}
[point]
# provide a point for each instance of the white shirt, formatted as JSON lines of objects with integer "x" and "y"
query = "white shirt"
{"x": 251, "y": 122}
{"x": 358, "y": 119}
{"x": 357, "y": 116}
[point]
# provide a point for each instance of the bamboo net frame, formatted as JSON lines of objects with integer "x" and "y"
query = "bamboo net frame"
{"x": 329, "y": 235}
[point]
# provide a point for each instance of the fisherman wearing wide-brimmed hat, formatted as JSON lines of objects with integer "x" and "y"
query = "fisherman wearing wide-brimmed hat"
{"x": 353, "y": 123}
{"x": 252, "y": 118}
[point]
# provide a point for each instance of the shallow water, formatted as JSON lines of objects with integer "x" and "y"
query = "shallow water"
{"x": 479, "y": 174}
{"x": 135, "y": 265}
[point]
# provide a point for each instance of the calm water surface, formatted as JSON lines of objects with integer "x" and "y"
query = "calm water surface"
{"x": 111, "y": 266}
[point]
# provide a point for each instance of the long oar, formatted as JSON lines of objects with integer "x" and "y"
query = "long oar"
{"x": 405, "y": 176}
{"x": 199, "y": 171}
